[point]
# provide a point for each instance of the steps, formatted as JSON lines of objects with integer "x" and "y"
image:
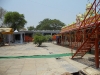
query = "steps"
{"x": 82, "y": 50}
{"x": 91, "y": 34}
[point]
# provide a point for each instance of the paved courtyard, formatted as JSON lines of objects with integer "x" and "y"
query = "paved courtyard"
{"x": 39, "y": 66}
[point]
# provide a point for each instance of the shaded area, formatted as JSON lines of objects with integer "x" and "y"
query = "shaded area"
{"x": 84, "y": 61}
{"x": 90, "y": 62}
{"x": 37, "y": 56}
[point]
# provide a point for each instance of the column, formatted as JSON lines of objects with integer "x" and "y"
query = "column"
{"x": 51, "y": 34}
{"x": 70, "y": 39}
{"x": 65, "y": 39}
{"x": 75, "y": 38}
{"x": 21, "y": 38}
{"x": 42, "y": 33}
{"x": 97, "y": 49}
{"x": 24, "y": 37}
{"x": 9, "y": 38}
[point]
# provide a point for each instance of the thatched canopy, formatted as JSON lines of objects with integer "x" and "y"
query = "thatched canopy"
{"x": 6, "y": 30}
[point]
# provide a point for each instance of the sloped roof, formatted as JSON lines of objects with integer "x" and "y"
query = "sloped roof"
{"x": 6, "y": 30}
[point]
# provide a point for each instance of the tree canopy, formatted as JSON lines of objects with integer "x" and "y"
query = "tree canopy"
{"x": 14, "y": 20}
{"x": 30, "y": 28}
{"x": 49, "y": 24}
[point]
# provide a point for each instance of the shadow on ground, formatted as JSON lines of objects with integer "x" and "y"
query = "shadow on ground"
{"x": 90, "y": 62}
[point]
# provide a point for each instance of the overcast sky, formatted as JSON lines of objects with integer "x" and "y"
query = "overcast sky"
{"x": 37, "y": 10}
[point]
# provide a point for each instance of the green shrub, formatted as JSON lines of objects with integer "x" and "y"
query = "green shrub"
{"x": 39, "y": 39}
{"x": 48, "y": 37}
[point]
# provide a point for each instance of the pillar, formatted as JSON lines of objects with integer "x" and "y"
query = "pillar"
{"x": 65, "y": 38}
{"x": 70, "y": 38}
{"x": 21, "y": 38}
{"x": 42, "y": 33}
{"x": 97, "y": 49}
{"x": 51, "y": 34}
{"x": 9, "y": 38}
{"x": 75, "y": 38}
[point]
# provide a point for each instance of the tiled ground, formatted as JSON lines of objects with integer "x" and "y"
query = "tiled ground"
{"x": 37, "y": 66}
{"x": 30, "y": 49}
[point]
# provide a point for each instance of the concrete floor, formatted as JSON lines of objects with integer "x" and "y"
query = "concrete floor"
{"x": 39, "y": 66}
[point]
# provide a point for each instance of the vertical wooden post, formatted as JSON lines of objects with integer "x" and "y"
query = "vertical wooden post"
{"x": 84, "y": 35}
{"x": 70, "y": 39}
{"x": 97, "y": 50}
{"x": 75, "y": 38}
{"x": 61, "y": 40}
{"x": 65, "y": 38}
{"x": 78, "y": 40}
{"x": 96, "y": 43}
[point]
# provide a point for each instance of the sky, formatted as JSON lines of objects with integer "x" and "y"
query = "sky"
{"x": 37, "y": 10}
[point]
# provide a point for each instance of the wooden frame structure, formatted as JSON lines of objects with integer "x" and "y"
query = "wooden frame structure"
{"x": 84, "y": 34}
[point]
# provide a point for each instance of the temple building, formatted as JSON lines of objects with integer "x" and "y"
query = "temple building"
{"x": 7, "y": 35}
{"x": 84, "y": 34}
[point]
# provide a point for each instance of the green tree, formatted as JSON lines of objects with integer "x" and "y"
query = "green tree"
{"x": 39, "y": 39}
{"x": 48, "y": 37}
{"x": 30, "y": 28}
{"x": 14, "y": 20}
{"x": 48, "y": 24}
